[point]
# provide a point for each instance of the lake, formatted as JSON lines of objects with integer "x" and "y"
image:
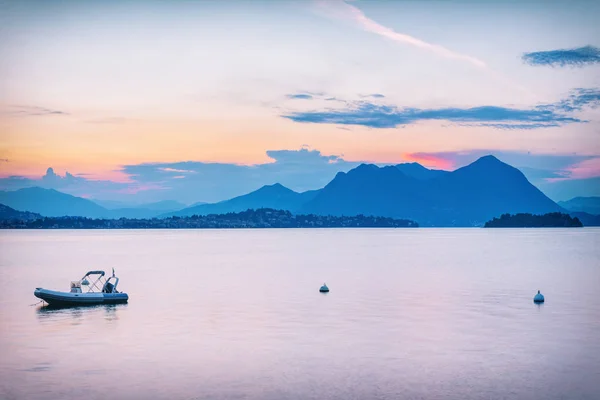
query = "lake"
{"x": 236, "y": 314}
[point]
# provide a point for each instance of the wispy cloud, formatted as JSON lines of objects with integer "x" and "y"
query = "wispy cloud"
{"x": 179, "y": 171}
{"x": 578, "y": 57}
{"x": 342, "y": 9}
{"x": 577, "y": 100}
{"x": 299, "y": 96}
{"x": 373, "y": 96}
{"x": 28, "y": 111}
{"x": 372, "y": 115}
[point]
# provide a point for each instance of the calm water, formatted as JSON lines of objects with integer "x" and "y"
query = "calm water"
{"x": 412, "y": 314}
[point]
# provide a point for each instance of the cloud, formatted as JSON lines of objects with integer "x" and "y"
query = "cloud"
{"x": 76, "y": 185}
{"x": 517, "y": 126}
{"x": 302, "y": 157}
{"x": 29, "y": 111}
{"x": 372, "y": 115}
{"x": 193, "y": 181}
{"x": 372, "y": 95}
{"x": 577, "y": 57}
{"x": 577, "y": 100}
{"x": 299, "y": 96}
{"x": 342, "y": 9}
{"x": 176, "y": 170}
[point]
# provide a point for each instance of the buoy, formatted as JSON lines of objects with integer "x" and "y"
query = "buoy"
{"x": 324, "y": 289}
{"x": 538, "y": 298}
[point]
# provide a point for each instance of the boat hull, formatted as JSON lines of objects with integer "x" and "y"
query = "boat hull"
{"x": 55, "y": 298}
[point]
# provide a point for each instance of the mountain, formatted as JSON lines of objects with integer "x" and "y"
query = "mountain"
{"x": 370, "y": 190}
{"x": 586, "y": 219}
{"x": 274, "y": 196}
{"x": 7, "y": 213}
{"x": 149, "y": 208}
{"x": 164, "y": 206}
{"x": 469, "y": 196}
{"x": 51, "y": 203}
{"x": 485, "y": 189}
{"x": 113, "y": 204}
{"x": 418, "y": 171}
{"x": 590, "y": 205}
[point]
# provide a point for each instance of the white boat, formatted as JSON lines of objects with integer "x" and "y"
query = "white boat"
{"x": 84, "y": 293}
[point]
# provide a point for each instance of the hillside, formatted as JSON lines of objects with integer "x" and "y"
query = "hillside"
{"x": 8, "y": 214}
{"x": 271, "y": 196}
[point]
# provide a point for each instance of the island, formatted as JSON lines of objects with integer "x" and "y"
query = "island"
{"x": 260, "y": 218}
{"x": 550, "y": 220}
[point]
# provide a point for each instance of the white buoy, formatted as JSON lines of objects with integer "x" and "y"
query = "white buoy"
{"x": 324, "y": 289}
{"x": 538, "y": 298}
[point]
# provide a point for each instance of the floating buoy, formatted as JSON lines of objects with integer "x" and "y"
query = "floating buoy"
{"x": 324, "y": 289}
{"x": 538, "y": 298}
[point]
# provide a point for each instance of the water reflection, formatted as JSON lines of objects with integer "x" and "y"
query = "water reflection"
{"x": 76, "y": 314}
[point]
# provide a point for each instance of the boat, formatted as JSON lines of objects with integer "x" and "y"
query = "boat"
{"x": 100, "y": 291}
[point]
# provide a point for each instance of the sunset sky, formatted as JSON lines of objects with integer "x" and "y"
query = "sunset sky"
{"x": 204, "y": 100}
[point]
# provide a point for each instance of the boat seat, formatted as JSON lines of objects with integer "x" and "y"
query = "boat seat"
{"x": 108, "y": 287}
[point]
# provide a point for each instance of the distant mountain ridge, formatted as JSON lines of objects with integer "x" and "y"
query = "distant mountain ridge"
{"x": 52, "y": 203}
{"x": 468, "y": 196}
{"x": 590, "y": 205}
{"x": 274, "y": 196}
{"x": 586, "y": 218}
{"x": 417, "y": 171}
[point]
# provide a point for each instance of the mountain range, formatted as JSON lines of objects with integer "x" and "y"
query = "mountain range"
{"x": 274, "y": 196}
{"x": 590, "y": 205}
{"x": 468, "y": 196}
{"x": 52, "y": 203}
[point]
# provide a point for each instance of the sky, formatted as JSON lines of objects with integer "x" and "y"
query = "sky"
{"x": 204, "y": 100}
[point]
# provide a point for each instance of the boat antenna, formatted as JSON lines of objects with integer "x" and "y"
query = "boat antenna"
{"x": 113, "y": 272}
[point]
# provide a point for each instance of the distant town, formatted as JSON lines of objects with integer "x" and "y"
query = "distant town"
{"x": 261, "y": 218}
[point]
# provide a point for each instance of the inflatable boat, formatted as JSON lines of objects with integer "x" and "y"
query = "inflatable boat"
{"x": 84, "y": 293}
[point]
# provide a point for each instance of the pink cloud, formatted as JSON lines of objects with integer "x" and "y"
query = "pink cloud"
{"x": 583, "y": 170}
